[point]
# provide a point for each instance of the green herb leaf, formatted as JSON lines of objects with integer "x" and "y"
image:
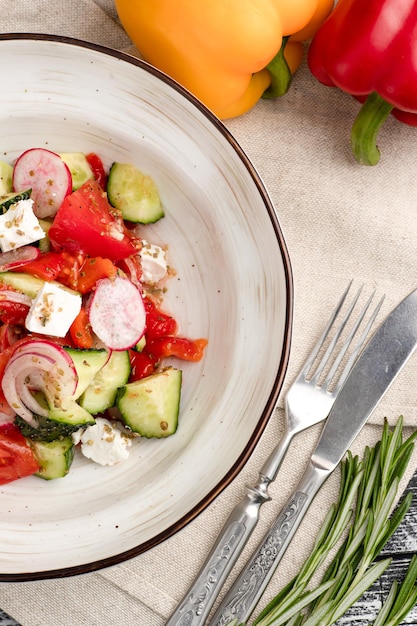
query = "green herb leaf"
{"x": 368, "y": 489}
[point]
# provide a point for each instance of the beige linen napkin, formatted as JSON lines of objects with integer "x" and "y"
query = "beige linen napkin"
{"x": 341, "y": 221}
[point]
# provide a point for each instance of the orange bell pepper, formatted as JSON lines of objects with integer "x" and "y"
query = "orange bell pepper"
{"x": 92, "y": 270}
{"x": 220, "y": 50}
{"x": 81, "y": 332}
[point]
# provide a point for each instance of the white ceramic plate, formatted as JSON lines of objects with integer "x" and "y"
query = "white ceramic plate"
{"x": 233, "y": 286}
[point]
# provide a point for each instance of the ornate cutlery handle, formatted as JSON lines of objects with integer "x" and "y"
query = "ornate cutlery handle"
{"x": 200, "y": 597}
{"x": 244, "y": 594}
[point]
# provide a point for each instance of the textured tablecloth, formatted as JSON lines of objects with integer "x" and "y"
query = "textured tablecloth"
{"x": 340, "y": 221}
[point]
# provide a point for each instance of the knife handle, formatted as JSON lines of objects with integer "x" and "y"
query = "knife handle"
{"x": 246, "y": 591}
{"x": 200, "y": 597}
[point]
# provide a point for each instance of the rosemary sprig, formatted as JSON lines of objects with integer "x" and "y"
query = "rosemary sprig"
{"x": 368, "y": 488}
{"x": 401, "y": 598}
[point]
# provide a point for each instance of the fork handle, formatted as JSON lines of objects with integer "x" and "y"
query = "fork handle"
{"x": 200, "y": 597}
{"x": 246, "y": 591}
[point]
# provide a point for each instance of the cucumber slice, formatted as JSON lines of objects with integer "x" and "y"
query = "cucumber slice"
{"x": 72, "y": 414}
{"x": 101, "y": 393}
{"x": 150, "y": 406}
{"x": 87, "y": 364}
{"x": 25, "y": 283}
{"x": 60, "y": 423}
{"x": 30, "y": 285}
{"x": 44, "y": 243}
{"x": 6, "y": 200}
{"x": 79, "y": 167}
{"x": 6, "y": 178}
{"x": 54, "y": 457}
{"x": 46, "y": 430}
{"x": 134, "y": 193}
{"x": 140, "y": 346}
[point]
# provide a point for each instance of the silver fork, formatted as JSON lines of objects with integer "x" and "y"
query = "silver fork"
{"x": 307, "y": 402}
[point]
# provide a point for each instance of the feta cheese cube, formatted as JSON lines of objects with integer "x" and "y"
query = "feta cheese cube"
{"x": 53, "y": 310}
{"x": 153, "y": 262}
{"x": 104, "y": 442}
{"x": 19, "y": 226}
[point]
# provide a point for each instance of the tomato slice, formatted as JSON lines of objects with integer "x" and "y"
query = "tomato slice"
{"x": 86, "y": 222}
{"x": 13, "y": 312}
{"x": 16, "y": 457}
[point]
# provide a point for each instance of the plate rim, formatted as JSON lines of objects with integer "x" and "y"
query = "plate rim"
{"x": 243, "y": 458}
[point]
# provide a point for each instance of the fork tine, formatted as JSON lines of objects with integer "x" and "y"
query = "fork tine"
{"x": 335, "y": 339}
{"x": 313, "y": 355}
{"x": 359, "y": 345}
{"x": 347, "y": 343}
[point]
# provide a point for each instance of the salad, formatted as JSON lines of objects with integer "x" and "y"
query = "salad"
{"x": 83, "y": 337}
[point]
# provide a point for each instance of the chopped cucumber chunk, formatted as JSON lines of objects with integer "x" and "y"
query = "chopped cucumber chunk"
{"x": 44, "y": 243}
{"x": 25, "y": 283}
{"x": 6, "y": 200}
{"x": 101, "y": 393}
{"x": 54, "y": 457}
{"x": 79, "y": 167}
{"x": 87, "y": 364}
{"x": 6, "y": 178}
{"x": 150, "y": 406}
{"x": 134, "y": 193}
{"x": 46, "y": 429}
{"x": 72, "y": 414}
{"x": 30, "y": 285}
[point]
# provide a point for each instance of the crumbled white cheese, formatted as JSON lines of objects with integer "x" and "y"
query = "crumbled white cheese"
{"x": 153, "y": 262}
{"x": 19, "y": 226}
{"x": 105, "y": 442}
{"x": 53, "y": 310}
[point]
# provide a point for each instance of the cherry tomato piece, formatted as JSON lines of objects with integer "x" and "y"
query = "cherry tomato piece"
{"x": 13, "y": 312}
{"x": 16, "y": 457}
{"x": 87, "y": 223}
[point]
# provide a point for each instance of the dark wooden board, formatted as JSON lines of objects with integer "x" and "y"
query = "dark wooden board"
{"x": 402, "y": 545}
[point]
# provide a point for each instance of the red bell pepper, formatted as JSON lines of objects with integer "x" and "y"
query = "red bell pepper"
{"x": 158, "y": 323}
{"x": 97, "y": 167}
{"x": 369, "y": 50}
{"x": 180, "y": 347}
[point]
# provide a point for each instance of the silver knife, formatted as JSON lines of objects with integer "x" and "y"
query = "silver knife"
{"x": 379, "y": 364}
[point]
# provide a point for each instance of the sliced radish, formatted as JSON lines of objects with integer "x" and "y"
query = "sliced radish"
{"x": 117, "y": 313}
{"x": 19, "y": 257}
{"x": 47, "y": 175}
{"x": 38, "y": 365}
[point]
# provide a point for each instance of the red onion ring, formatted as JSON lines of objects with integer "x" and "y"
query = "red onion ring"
{"x": 13, "y": 259}
{"x": 38, "y": 365}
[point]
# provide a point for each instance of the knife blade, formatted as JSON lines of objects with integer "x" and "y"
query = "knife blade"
{"x": 381, "y": 361}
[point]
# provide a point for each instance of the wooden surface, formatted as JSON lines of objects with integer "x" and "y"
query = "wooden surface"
{"x": 401, "y": 547}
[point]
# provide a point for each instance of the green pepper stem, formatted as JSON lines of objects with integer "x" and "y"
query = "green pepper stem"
{"x": 280, "y": 74}
{"x": 369, "y": 120}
